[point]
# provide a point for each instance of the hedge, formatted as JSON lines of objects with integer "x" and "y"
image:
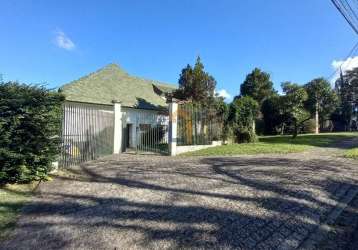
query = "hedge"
{"x": 30, "y": 126}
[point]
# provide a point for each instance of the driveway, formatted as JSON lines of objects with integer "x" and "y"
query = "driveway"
{"x": 154, "y": 202}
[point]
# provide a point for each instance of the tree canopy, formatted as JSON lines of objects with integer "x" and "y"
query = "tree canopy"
{"x": 347, "y": 91}
{"x": 258, "y": 85}
{"x": 293, "y": 105}
{"x": 321, "y": 101}
{"x": 196, "y": 84}
{"x": 242, "y": 113}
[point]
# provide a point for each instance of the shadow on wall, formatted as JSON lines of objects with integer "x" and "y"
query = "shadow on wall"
{"x": 123, "y": 217}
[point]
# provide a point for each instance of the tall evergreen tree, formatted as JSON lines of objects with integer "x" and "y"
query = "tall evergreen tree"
{"x": 196, "y": 84}
{"x": 347, "y": 91}
{"x": 258, "y": 85}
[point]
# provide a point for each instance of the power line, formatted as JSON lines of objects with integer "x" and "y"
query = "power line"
{"x": 348, "y": 13}
{"x": 351, "y": 16}
{"x": 351, "y": 52}
{"x": 351, "y": 9}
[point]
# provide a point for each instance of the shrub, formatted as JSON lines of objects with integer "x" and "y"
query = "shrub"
{"x": 245, "y": 136}
{"x": 29, "y": 131}
{"x": 242, "y": 114}
{"x": 228, "y": 134}
{"x": 309, "y": 126}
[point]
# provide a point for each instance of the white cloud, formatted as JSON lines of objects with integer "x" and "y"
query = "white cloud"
{"x": 349, "y": 64}
{"x": 63, "y": 41}
{"x": 224, "y": 93}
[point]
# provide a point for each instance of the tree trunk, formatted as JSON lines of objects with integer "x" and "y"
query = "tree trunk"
{"x": 282, "y": 128}
{"x": 295, "y": 132}
{"x": 254, "y": 126}
{"x": 317, "y": 119}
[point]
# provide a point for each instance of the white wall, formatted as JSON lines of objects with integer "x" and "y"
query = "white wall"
{"x": 183, "y": 149}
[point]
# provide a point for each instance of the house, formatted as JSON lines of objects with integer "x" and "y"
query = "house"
{"x": 113, "y": 83}
{"x": 88, "y": 116}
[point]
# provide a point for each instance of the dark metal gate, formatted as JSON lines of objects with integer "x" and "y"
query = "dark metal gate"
{"x": 87, "y": 132}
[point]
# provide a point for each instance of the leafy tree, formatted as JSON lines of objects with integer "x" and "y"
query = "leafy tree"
{"x": 220, "y": 106}
{"x": 352, "y": 79}
{"x": 29, "y": 131}
{"x": 293, "y": 105}
{"x": 242, "y": 113}
{"x": 258, "y": 85}
{"x": 321, "y": 101}
{"x": 272, "y": 114}
{"x": 347, "y": 91}
{"x": 195, "y": 84}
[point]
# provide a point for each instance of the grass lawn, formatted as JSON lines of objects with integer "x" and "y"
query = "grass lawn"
{"x": 12, "y": 199}
{"x": 352, "y": 153}
{"x": 275, "y": 144}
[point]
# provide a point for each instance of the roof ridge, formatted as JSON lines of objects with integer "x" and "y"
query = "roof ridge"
{"x": 106, "y": 67}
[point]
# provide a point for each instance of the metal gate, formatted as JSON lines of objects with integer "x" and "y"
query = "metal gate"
{"x": 145, "y": 131}
{"x": 87, "y": 132}
{"x": 198, "y": 125}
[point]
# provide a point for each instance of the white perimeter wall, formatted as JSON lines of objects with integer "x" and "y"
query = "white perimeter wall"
{"x": 183, "y": 149}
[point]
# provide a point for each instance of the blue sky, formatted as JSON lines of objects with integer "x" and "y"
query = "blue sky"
{"x": 59, "y": 41}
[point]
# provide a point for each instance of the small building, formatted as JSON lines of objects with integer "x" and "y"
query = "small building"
{"x": 88, "y": 116}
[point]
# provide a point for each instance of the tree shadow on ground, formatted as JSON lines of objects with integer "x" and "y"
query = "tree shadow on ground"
{"x": 277, "y": 207}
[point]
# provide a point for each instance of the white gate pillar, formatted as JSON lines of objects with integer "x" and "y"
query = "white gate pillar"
{"x": 173, "y": 119}
{"x": 117, "y": 135}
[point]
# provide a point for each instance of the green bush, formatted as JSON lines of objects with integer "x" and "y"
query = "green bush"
{"x": 29, "y": 131}
{"x": 242, "y": 114}
{"x": 245, "y": 136}
{"x": 309, "y": 126}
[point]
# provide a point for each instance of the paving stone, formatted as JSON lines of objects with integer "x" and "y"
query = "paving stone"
{"x": 284, "y": 231}
{"x": 264, "y": 232}
{"x": 263, "y": 246}
{"x": 249, "y": 242}
{"x": 155, "y": 202}
{"x": 289, "y": 243}
{"x": 275, "y": 240}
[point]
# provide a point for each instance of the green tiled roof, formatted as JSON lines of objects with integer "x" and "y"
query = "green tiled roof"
{"x": 112, "y": 83}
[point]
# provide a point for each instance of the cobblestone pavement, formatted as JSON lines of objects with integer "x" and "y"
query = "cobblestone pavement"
{"x": 344, "y": 233}
{"x": 154, "y": 202}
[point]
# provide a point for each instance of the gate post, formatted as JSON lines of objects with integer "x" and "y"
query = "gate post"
{"x": 173, "y": 119}
{"x": 117, "y": 133}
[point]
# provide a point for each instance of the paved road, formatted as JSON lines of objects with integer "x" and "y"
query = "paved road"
{"x": 153, "y": 202}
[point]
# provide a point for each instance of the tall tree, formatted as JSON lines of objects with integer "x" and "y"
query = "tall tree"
{"x": 241, "y": 117}
{"x": 258, "y": 85}
{"x": 196, "y": 84}
{"x": 293, "y": 105}
{"x": 321, "y": 101}
{"x": 347, "y": 90}
{"x": 272, "y": 114}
